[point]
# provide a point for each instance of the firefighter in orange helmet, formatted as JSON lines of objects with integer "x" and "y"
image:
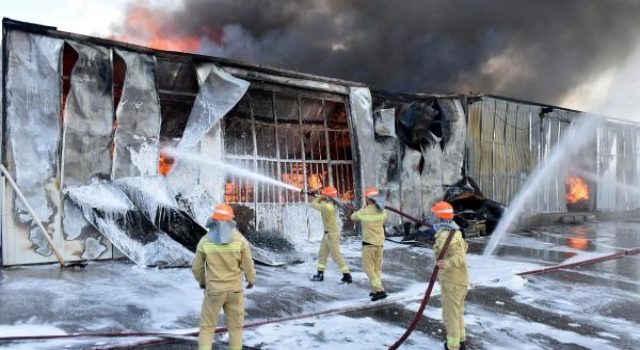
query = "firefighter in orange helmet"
{"x": 326, "y": 204}
{"x": 453, "y": 276}
{"x": 372, "y": 218}
{"x": 222, "y": 257}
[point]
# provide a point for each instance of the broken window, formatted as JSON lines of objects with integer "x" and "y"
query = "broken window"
{"x": 290, "y": 135}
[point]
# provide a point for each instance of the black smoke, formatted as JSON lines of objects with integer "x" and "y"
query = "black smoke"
{"x": 533, "y": 50}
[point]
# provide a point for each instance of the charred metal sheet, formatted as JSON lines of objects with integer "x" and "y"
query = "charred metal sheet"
{"x": 385, "y": 122}
{"x": 362, "y": 126}
{"x": 431, "y": 178}
{"x": 81, "y": 235}
{"x": 32, "y": 136}
{"x": 88, "y": 121}
{"x": 113, "y": 214}
{"x": 138, "y": 119}
{"x": 415, "y": 123}
{"x": 314, "y": 84}
{"x": 454, "y": 133}
{"x": 219, "y": 93}
{"x": 390, "y": 151}
{"x": 151, "y": 195}
{"x": 88, "y": 127}
{"x": 411, "y": 201}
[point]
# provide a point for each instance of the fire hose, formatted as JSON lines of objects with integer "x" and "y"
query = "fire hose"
{"x": 169, "y": 337}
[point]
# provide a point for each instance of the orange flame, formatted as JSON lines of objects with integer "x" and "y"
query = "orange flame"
{"x": 165, "y": 164}
{"x": 577, "y": 189}
{"x": 153, "y": 28}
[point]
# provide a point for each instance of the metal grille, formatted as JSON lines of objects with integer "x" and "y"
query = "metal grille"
{"x": 291, "y": 136}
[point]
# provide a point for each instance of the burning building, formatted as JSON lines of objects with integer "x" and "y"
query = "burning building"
{"x": 85, "y": 121}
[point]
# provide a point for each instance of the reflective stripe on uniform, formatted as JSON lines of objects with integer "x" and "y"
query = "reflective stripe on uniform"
{"x": 229, "y": 247}
{"x": 453, "y": 341}
{"x": 344, "y": 269}
{"x": 321, "y": 267}
{"x": 376, "y": 283}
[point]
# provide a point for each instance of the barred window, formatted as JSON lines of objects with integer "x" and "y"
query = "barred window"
{"x": 295, "y": 136}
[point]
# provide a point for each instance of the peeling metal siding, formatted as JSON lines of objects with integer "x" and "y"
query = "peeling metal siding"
{"x": 32, "y": 138}
{"x": 86, "y": 145}
{"x": 136, "y": 138}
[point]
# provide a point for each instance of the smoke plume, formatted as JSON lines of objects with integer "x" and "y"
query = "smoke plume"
{"x": 533, "y": 50}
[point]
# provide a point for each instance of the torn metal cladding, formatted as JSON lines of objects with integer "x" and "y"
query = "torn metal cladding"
{"x": 138, "y": 119}
{"x": 31, "y": 142}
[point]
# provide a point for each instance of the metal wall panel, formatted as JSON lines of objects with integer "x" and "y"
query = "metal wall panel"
{"x": 31, "y": 145}
{"x": 607, "y": 164}
{"x": 501, "y": 147}
{"x": 86, "y": 150}
{"x": 138, "y": 118}
{"x": 362, "y": 126}
{"x": 507, "y": 140}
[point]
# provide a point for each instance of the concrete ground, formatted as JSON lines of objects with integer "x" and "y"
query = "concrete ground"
{"x": 594, "y": 306}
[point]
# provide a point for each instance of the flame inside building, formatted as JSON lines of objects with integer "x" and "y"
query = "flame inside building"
{"x": 577, "y": 194}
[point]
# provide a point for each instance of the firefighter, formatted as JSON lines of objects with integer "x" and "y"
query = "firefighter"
{"x": 222, "y": 256}
{"x": 453, "y": 277}
{"x": 326, "y": 204}
{"x": 372, "y": 218}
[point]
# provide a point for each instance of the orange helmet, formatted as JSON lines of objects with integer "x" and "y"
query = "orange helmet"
{"x": 370, "y": 192}
{"x": 223, "y": 212}
{"x": 443, "y": 210}
{"x": 330, "y": 192}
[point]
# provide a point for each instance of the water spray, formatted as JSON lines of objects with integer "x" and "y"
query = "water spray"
{"x": 227, "y": 168}
{"x": 579, "y": 135}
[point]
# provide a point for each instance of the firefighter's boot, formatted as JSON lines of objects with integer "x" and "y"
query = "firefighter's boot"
{"x": 319, "y": 277}
{"x": 379, "y": 295}
{"x": 346, "y": 278}
{"x": 463, "y": 346}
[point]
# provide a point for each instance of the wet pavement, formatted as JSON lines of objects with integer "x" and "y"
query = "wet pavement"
{"x": 595, "y": 306}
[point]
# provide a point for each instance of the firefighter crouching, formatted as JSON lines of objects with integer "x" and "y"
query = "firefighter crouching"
{"x": 372, "y": 218}
{"x": 222, "y": 256}
{"x": 330, "y": 244}
{"x": 453, "y": 276}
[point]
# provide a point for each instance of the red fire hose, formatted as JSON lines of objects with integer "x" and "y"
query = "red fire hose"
{"x": 427, "y": 295}
{"x": 579, "y": 263}
{"x": 168, "y": 336}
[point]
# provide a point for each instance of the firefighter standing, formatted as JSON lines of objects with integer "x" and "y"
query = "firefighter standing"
{"x": 330, "y": 243}
{"x": 453, "y": 277}
{"x": 372, "y": 218}
{"x": 222, "y": 256}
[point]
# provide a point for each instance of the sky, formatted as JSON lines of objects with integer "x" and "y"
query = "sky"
{"x": 610, "y": 88}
